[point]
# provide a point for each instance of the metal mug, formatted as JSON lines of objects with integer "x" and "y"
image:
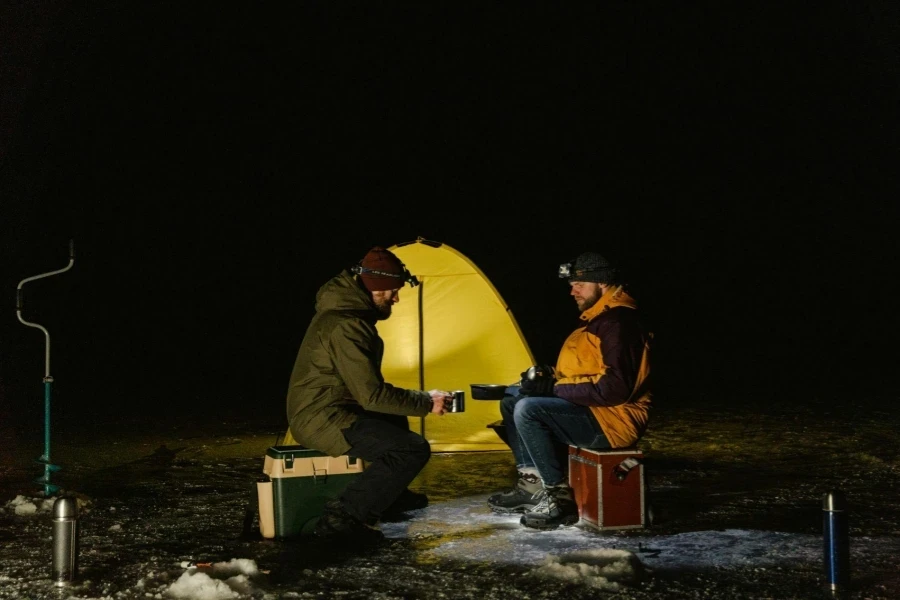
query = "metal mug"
{"x": 458, "y": 402}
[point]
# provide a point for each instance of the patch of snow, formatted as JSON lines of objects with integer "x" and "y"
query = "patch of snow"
{"x": 197, "y": 585}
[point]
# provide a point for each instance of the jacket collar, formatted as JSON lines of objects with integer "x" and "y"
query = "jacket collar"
{"x": 614, "y": 296}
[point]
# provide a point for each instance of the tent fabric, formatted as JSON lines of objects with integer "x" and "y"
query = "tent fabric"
{"x": 451, "y": 331}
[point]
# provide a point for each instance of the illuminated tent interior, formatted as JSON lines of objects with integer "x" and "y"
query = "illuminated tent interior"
{"x": 450, "y": 331}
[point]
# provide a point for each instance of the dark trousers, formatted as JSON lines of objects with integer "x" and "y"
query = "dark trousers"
{"x": 395, "y": 456}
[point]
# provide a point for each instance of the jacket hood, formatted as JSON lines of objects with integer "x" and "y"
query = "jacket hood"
{"x": 615, "y": 296}
{"x": 342, "y": 292}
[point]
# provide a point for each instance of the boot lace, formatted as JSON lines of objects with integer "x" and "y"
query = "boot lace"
{"x": 546, "y": 502}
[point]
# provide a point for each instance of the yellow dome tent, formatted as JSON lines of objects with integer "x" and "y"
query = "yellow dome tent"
{"x": 451, "y": 331}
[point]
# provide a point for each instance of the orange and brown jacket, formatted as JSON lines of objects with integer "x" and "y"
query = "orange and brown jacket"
{"x": 605, "y": 365}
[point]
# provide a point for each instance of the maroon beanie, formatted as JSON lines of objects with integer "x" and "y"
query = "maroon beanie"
{"x": 390, "y": 273}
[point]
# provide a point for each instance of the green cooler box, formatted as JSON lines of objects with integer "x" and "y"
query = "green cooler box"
{"x": 296, "y": 484}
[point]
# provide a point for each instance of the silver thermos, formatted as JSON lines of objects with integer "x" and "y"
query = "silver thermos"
{"x": 65, "y": 541}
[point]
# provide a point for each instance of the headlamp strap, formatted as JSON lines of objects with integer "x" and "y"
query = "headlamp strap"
{"x": 406, "y": 276}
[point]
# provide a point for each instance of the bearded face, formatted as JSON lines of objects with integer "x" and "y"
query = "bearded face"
{"x": 586, "y": 294}
{"x": 384, "y": 302}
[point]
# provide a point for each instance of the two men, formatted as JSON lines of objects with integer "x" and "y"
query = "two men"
{"x": 339, "y": 403}
{"x": 598, "y": 396}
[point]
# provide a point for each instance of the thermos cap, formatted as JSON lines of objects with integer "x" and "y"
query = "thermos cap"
{"x": 834, "y": 501}
{"x": 65, "y": 508}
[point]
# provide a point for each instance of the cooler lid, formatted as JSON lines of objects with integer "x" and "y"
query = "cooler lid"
{"x": 288, "y": 452}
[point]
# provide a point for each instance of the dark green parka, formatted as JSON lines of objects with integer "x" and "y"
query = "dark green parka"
{"x": 337, "y": 373}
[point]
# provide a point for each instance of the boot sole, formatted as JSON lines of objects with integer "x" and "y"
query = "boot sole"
{"x": 544, "y": 526}
{"x": 510, "y": 511}
{"x": 506, "y": 510}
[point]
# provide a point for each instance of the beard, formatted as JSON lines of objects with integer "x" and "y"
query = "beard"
{"x": 589, "y": 301}
{"x": 384, "y": 309}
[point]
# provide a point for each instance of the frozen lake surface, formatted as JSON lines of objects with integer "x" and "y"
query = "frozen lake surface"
{"x": 170, "y": 513}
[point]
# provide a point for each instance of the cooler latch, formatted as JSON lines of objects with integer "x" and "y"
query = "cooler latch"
{"x": 317, "y": 473}
{"x": 623, "y": 468}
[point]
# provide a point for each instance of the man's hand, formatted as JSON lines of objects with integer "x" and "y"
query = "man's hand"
{"x": 439, "y": 401}
{"x": 538, "y": 381}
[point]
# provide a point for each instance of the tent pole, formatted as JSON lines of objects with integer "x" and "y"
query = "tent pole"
{"x": 421, "y": 286}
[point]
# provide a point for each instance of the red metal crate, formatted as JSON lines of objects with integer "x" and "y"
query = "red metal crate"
{"x": 607, "y": 499}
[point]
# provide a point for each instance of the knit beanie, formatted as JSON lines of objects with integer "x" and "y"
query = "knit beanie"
{"x": 593, "y": 267}
{"x": 390, "y": 275}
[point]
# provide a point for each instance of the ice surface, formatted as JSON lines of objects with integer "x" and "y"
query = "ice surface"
{"x": 464, "y": 531}
{"x": 736, "y": 492}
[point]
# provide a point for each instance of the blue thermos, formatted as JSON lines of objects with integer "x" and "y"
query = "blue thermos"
{"x": 836, "y": 534}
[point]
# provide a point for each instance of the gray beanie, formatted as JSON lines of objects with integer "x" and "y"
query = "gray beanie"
{"x": 593, "y": 267}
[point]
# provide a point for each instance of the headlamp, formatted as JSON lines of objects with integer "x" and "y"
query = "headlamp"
{"x": 565, "y": 270}
{"x": 406, "y": 276}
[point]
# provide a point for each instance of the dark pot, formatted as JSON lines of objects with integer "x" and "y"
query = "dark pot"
{"x": 488, "y": 391}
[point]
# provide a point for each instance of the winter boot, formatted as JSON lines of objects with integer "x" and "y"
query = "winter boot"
{"x": 557, "y": 507}
{"x": 337, "y": 525}
{"x": 520, "y": 498}
{"x": 407, "y": 500}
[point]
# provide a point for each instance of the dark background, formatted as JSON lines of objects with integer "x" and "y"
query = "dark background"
{"x": 215, "y": 164}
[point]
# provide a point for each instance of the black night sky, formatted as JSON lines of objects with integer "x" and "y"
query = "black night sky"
{"x": 215, "y": 164}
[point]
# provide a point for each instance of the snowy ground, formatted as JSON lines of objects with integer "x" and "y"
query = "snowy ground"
{"x": 170, "y": 513}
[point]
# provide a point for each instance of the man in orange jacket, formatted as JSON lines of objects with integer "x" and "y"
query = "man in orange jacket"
{"x": 597, "y": 396}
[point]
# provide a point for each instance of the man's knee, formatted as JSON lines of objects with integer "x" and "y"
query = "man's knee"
{"x": 422, "y": 449}
{"x": 412, "y": 449}
{"x": 527, "y": 409}
{"x": 508, "y": 405}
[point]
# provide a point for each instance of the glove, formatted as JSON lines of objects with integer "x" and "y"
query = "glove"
{"x": 538, "y": 381}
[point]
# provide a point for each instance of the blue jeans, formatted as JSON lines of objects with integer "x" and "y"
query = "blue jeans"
{"x": 540, "y": 431}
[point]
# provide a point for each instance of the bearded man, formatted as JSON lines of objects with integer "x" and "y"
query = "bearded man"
{"x": 339, "y": 403}
{"x": 597, "y": 396}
